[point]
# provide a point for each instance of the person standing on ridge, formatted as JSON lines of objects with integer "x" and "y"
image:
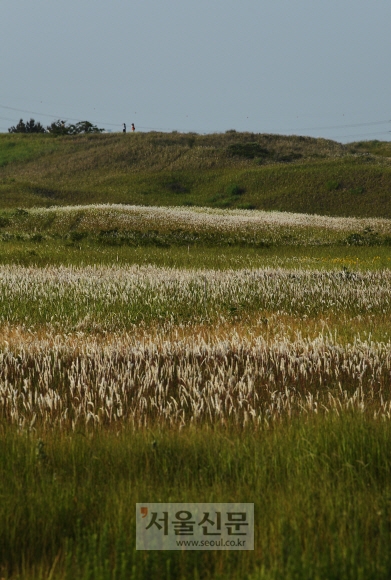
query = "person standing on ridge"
{"x": 124, "y": 129}
{"x": 133, "y": 127}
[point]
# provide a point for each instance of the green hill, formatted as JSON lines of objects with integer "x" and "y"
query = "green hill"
{"x": 230, "y": 170}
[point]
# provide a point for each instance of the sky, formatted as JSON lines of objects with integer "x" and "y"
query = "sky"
{"x": 294, "y": 67}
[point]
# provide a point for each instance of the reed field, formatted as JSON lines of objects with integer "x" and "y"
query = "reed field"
{"x": 194, "y": 354}
{"x": 148, "y": 381}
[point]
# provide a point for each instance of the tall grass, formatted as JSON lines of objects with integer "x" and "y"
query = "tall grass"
{"x": 228, "y": 379}
{"x": 321, "y": 489}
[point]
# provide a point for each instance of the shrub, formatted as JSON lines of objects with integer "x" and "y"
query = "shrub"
{"x": 177, "y": 187}
{"x": 77, "y": 236}
{"x": 28, "y": 127}
{"x": 37, "y": 237}
{"x": 287, "y": 158}
{"x": 4, "y": 222}
{"x": 60, "y": 127}
{"x": 368, "y": 237}
{"x": 247, "y": 150}
{"x": 234, "y": 189}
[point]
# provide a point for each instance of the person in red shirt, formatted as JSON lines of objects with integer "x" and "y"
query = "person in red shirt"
{"x": 133, "y": 127}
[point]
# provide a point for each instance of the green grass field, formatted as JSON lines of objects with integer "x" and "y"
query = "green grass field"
{"x": 194, "y": 349}
{"x": 321, "y": 489}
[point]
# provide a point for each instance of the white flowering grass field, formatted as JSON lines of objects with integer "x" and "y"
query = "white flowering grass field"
{"x": 189, "y": 226}
{"x": 237, "y": 375}
{"x": 191, "y": 238}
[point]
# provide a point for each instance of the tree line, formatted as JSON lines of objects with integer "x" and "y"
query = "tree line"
{"x": 58, "y": 127}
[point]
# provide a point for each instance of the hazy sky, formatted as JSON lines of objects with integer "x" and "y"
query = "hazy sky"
{"x": 306, "y": 67}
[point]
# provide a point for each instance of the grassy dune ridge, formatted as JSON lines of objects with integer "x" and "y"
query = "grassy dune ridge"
{"x": 271, "y": 172}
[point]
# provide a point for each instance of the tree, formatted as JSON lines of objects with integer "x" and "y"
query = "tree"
{"x": 84, "y": 127}
{"x": 28, "y": 127}
{"x": 61, "y": 128}
{"x": 58, "y": 128}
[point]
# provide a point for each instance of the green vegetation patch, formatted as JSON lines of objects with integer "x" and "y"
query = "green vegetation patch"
{"x": 248, "y": 150}
{"x": 19, "y": 149}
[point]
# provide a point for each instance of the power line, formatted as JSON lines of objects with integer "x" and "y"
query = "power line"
{"x": 170, "y": 129}
{"x": 33, "y": 112}
{"x": 52, "y": 116}
{"x": 361, "y": 134}
{"x": 7, "y": 119}
{"x": 155, "y": 128}
{"x": 367, "y": 124}
{"x": 73, "y": 118}
{"x": 346, "y": 126}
